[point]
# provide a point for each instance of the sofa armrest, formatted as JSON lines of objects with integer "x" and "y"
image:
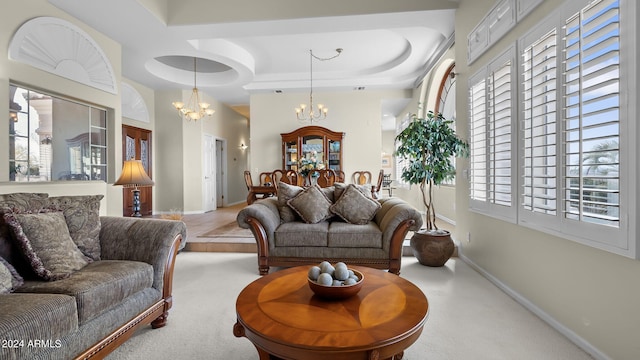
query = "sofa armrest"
{"x": 262, "y": 218}
{"x": 395, "y": 218}
{"x": 154, "y": 241}
{"x": 265, "y": 212}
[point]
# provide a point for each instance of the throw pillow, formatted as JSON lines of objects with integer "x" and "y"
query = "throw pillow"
{"x": 23, "y": 201}
{"x": 341, "y": 187}
{"x": 44, "y": 240}
{"x": 355, "y": 207}
{"x": 287, "y": 192}
{"x": 312, "y": 205}
{"x": 9, "y": 278}
{"x": 82, "y": 215}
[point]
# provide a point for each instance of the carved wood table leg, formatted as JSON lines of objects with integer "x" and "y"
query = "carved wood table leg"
{"x": 238, "y": 330}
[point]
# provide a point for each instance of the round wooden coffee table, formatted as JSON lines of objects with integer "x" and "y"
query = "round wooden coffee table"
{"x": 283, "y": 318}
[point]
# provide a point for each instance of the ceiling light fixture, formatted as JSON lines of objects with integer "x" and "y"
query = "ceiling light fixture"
{"x": 311, "y": 115}
{"x": 194, "y": 109}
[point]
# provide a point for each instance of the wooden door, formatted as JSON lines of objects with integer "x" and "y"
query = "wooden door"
{"x": 136, "y": 144}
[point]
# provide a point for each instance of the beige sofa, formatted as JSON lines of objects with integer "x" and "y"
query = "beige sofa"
{"x": 290, "y": 241}
{"x": 90, "y": 311}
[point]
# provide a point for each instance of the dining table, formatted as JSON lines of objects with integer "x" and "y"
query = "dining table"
{"x": 259, "y": 192}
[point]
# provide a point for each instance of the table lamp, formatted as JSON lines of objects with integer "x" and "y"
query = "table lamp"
{"x": 133, "y": 175}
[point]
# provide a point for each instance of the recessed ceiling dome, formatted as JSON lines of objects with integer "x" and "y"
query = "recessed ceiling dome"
{"x": 225, "y": 64}
{"x": 186, "y": 63}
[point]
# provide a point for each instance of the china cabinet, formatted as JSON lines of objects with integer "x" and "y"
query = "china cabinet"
{"x": 312, "y": 147}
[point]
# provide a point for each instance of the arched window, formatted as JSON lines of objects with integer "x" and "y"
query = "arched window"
{"x": 446, "y": 103}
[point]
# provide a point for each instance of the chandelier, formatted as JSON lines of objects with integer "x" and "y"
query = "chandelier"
{"x": 307, "y": 113}
{"x": 194, "y": 109}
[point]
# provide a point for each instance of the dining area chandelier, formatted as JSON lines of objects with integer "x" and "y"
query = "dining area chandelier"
{"x": 194, "y": 109}
{"x": 307, "y": 113}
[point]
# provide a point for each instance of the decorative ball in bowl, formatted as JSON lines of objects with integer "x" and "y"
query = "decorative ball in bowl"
{"x": 334, "y": 282}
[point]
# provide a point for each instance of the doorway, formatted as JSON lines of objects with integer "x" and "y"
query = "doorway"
{"x": 213, "y": 173}
{"x": 220, "y": 172}
{"x": 136, "y": 144}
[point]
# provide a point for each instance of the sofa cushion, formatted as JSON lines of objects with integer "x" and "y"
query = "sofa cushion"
{"x": 37, "y": 316}
{"x": 9, "y": 278}
{"x": 339, "y": 188}
{"x": 287, "y": 192}
{"x": 8, "y": 249}
{"x": 355, "y": 207}
{"x": 44, "y": 240}
{"x": 347, "y": 235}
{"x": 82, "y": 215}
{"x": 99, "y": 286}
{"x": 297, "y": 233}
{"x": 311, "y": 204}
{"x": 24, "y": 201}
{"x": 329, "y": 191}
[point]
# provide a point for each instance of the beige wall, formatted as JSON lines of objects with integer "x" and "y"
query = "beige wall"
{"x": 180, "y": 158}
{"x": 14, "y": 14}
{"x": 168, "y": 162}
{"x": 357, "y": 114}
{"x": 591, "y": 294}
{"x": 178, "y": 184}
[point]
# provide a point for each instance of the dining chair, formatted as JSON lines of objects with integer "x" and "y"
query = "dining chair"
{"x": 339, "y": 175}
{"x": 247, "y": 179}
{"x": 361, "y": 177}
{"x": 375, "y": 190}
{"x": 286, "y": 176}
{"x": 260, "y": 191}
{"x": 290, "y": 177}
{"x": 266, "y": 178}
{"x": 276, "y": 176}
{"x": 324, "y": 177}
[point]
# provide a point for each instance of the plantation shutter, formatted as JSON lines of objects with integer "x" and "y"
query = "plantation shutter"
{"x": 478, "y": 140}
{"x": 592, "y": 114}
{"x": 539, "y": 62}
{"x": 499, "y": 97}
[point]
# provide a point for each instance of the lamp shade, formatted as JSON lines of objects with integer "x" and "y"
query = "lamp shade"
{"x": 133, "y": 175}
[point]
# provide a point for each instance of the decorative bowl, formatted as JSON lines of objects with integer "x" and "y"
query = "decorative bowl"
{"x": 337, "y": 292}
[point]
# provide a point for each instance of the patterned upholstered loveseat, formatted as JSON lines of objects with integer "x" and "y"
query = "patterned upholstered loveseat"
{"x": 77, "y": 285}
{"x": 339, "y": 223}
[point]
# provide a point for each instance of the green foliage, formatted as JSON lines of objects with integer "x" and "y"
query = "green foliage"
{"x": 429, "y": 145}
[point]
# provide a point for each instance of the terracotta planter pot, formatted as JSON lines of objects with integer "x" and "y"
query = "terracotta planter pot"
{"x": 432, "y": 249}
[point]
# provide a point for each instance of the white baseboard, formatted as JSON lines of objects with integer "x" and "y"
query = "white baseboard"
{"x": 570, "y": 334}
{"x": 446, "y": 219}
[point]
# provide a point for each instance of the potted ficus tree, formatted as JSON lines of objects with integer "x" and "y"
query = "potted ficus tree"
{"x": 429, "y": 146}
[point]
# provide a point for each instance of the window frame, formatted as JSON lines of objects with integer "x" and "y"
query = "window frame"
{"x": 618, "y": 240}
{"x": 447, "y": 83}
{"x": 621, "y": 240}
{"x": 486, "y": 206}
{"x": 97, "y": 127}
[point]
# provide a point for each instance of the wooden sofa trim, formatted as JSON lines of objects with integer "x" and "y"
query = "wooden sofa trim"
{"x": 393, "y": 263}
{"x": 156, "y": 314}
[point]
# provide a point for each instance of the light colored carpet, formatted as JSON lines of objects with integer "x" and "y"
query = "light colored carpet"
{"x": 230, "y": 230}
{"x": 469, "y": 317}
